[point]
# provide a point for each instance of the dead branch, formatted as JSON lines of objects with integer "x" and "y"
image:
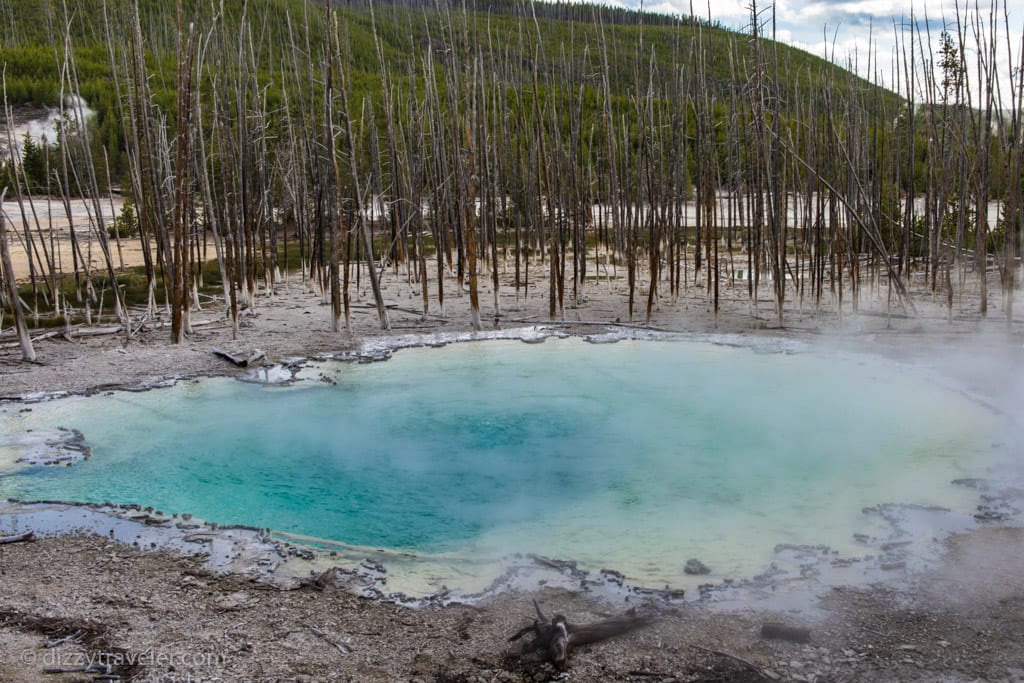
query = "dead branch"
{"x": 75, "y": 637}
{"x": 721, "y": 653}
{"x": 240, "y": 361}
{"x": 557, "y": 636}
{"x": 778, "y": 631}
{"x": 342, "y": 647}
{"x": 322, "y": 581}
{"x": 27, "y": 536}
{"x": 96, "y": 331}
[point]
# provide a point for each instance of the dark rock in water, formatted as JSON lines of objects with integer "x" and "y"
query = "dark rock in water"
{"x": 891, "y": 565}
{"x": 803, "y": 550}
{"x": 973, "y": 483}
{"x": 696, "y": 567}
{"x": 765, "y": 577}
{"x": 990, "y": 515}
{"x": 894, "y": 545}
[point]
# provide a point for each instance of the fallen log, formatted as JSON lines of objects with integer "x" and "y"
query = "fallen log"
{"x": 557, "y": 636}
{"x": 240, "y": 361}
{"x": 774, "y": 630}
{"x": 75, "y": 637}
{"x": 95, "y": 331}
{"x": 27, "y": 536}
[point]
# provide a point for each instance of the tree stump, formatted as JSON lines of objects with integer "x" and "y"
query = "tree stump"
{"x": 558, "y": 636}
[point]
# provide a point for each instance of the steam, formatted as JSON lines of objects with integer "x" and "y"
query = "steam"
{"x": 990, "y": 364}
{"x": 979, "y": 359}
{"x": 73, "y": 115}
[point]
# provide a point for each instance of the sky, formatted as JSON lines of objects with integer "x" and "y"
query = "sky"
{"x": 848, "y": 32}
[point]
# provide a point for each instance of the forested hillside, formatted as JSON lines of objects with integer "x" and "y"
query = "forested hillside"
{"x": 448, "y": 139}
{"x": 39, "y": 35}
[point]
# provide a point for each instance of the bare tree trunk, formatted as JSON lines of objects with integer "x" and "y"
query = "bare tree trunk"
{"x": 183, "y": 192}
{"x": 364, "y": 227}
{"x": 27, "y": 352}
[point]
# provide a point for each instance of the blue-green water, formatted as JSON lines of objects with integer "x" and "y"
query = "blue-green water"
{"x": 636, "y": 455}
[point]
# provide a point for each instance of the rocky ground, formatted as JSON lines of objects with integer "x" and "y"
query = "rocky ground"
{"x": 163, "y": 617}
{"x": 157, "y": 617}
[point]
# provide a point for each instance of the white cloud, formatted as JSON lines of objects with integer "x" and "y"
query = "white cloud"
{"x": 862, "y": 32}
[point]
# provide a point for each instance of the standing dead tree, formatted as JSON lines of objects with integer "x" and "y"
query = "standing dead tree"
{"x": 183, "y": 196}
{"x": 654, "y": 145}
{"x": 360, "y": 208}
{"x": 7, "y": 275}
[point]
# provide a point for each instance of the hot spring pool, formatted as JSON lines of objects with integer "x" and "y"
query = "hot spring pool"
{"x": 636, "y": 455}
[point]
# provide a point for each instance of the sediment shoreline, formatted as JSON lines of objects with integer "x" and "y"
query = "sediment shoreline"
{"x": 131, "y": 600}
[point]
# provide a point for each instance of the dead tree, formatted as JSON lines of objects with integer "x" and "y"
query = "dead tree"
{"x": 555, "y": 637}
{"x": 7, "y": 276}
{"x": 18, "y": 538}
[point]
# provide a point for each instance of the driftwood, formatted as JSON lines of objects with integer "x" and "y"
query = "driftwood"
{"x": 96, "y": 331}
{"x": 102, "y": 669}
{"x": 773, "y": 630}
{"x": 75, "y": 637}
{"x": 27, "y": 536}
{"x": 240, "y": 361}
{"x": 65, "y": 334}
{"x": 322, "y": 581}
{"x": 557, "y": 636}
{"x": 342, "y": 647}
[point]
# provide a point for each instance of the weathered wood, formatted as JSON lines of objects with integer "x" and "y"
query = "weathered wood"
{"x": 7, "y": 277}
{"x": 727, "y": 655}
{"x": 774, "y": 630}
{"x": 557, "y": 636}
{"x": 96, "y": 331}
{"x": 342, "y": 647}
{"x": 75, "y": 637}
{"x": 240, "y": 361}
{"x": 64, "y": 334}
{"x": 322, "y": 581}
{"x": 27, "y": 536}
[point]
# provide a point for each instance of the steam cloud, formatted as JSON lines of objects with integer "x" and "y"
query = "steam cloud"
{"x": 75, "y": 112}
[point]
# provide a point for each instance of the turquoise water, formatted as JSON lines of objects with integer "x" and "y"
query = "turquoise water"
{"x": 635, "y": 455}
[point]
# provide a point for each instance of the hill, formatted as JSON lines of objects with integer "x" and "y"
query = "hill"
{"x": 466, "y": 135}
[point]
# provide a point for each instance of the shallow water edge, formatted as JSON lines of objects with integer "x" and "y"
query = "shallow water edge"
{"x": 909, "y": 542}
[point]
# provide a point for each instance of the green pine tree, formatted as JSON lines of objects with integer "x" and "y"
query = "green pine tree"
{"x": 33, "y": 159}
